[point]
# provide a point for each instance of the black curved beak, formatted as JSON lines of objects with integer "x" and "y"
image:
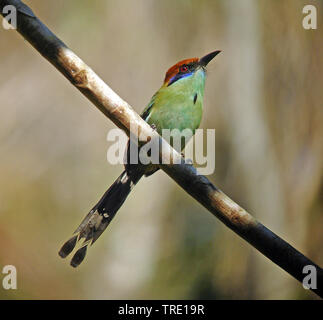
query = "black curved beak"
{"x": 206, "y": 59}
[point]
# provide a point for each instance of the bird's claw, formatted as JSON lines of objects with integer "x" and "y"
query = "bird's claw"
{"x": 187, "y": 161}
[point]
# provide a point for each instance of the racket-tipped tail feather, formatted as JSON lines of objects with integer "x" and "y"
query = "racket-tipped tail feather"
{"x": 97, "y": 220}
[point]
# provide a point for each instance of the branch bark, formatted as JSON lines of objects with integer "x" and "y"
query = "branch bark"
{"x": 198, "y": 186}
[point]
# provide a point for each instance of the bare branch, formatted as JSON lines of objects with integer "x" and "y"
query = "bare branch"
{"x": 198, "y": 186}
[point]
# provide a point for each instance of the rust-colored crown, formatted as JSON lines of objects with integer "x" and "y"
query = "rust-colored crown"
{"x": 172, "y": 71}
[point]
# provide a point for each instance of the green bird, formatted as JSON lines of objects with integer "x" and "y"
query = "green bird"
{"x": 178, "y": 104}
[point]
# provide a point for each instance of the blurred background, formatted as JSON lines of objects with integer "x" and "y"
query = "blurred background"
{"x": 264, "y": 99}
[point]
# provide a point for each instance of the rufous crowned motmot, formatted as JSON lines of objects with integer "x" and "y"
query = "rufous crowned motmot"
{"x": 178, "y": 104}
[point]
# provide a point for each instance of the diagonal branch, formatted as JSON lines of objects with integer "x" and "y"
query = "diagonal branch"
{"x": 198, "y": 186}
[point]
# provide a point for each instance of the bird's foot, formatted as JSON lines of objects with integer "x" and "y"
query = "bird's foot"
{"x": 189, "y": 162}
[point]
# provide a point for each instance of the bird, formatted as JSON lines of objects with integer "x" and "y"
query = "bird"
{"x": 178, "y": 104}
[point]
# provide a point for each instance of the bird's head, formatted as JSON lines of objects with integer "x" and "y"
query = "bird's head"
{"x": 187, "y": 68}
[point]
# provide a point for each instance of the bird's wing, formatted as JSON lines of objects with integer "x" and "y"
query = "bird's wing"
{"x": 147, "y": 111}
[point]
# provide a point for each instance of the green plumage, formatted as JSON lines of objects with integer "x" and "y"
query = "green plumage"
{"x": 178, "y": 106}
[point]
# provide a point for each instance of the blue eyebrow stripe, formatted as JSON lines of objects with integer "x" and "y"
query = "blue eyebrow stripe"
{"x": 179, "y": 76}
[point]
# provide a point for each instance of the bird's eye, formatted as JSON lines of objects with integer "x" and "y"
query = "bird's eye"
{"x": 184, "y": 68}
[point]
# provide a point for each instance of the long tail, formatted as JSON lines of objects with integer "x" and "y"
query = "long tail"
{"x": 100, "y": 216}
